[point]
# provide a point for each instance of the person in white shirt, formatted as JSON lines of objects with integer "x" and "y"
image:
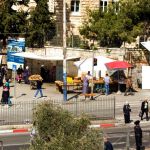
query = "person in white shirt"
{"x": 106, "y": 81}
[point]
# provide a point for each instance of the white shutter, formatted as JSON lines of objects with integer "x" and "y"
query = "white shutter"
{"x": 51, "y": 4}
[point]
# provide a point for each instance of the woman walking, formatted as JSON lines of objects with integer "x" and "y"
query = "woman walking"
{"x": 5, "y": 93}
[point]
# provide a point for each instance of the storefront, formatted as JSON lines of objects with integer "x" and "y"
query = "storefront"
{"x": 53, "y": 65}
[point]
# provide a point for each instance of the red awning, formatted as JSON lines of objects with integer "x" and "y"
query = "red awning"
{"x": 116, "y": 65}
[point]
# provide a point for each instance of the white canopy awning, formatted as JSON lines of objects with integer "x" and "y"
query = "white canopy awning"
{"x": 31, "y": 55}
{"x": 146, "y": 45}
{"x": 85, "y": 65}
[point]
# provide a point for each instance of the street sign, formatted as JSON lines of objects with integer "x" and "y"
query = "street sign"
{"x": 14, "y": 67}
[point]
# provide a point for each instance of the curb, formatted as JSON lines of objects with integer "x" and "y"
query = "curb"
{"x": 15, "y": 131}
{"x": 103, "y": 125}
{"x": 109, "y": 125}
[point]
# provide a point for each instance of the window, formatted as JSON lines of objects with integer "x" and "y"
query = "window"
{"x": 115, "y": 3}
{"x": 103, "y": 5}
{"x": 75, "y": 5}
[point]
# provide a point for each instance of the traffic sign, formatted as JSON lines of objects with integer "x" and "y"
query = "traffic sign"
{"x": 14, "y": 67}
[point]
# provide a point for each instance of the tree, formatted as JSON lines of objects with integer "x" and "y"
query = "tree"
{"x": 122, "y": 22}
{"x": 13, "y": 23}
{"x": 41, "y": 25}
{"x": 58, "y": 129}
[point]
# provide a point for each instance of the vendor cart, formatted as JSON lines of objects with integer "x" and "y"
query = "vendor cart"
{"x": 33, "y": 79}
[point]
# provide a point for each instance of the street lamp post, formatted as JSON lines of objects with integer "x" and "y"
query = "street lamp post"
{"x": 64, "y": 53}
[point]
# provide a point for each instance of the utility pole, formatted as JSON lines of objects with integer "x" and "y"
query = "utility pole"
{"x": 64, "y": 53}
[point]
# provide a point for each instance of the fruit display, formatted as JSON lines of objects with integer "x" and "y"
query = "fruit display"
{"x": 35, "y": 77}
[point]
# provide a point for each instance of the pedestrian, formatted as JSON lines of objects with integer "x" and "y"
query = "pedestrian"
{"x": 43, "y": 72}
{"x": 138, "y": 135}
{"x": 144, "y": 109}
{"x": 107, "y": 144}
{"x": 19, "y": 73}
{"x": 89, "y": 77}
{"x": 106, "y": 82}
{"x": 85, "y": 89}
{"x": 39, "y": 88}
{"x": 26, "y": 75}
{"x": 1, "y": 79}
{"x": 126, "y": 111}
{"x": 129, "y": 88}
{"x": 5, "y": 92}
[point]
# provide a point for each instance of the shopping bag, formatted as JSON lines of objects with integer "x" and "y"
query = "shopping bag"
{"x": 140, "y": 114}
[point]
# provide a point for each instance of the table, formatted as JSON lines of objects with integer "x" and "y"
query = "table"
{"x": 70, "y": 86}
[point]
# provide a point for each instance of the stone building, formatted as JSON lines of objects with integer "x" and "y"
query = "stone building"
{"x": 76, "y": 13}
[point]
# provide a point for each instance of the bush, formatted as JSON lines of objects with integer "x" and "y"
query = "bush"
{"x": 57, "y": 129}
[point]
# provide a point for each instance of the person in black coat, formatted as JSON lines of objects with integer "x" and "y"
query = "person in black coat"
{"x": 43, "y": 72}
{"x": 126, "y": 111}
{"x": 107, "y": 144}
{"x": 138, "y": 135}
{"x": 144, "y": 109}
{"x": 19, "y": 73}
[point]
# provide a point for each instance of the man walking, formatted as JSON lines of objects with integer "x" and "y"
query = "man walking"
{"x": 138, "y": 135}
{"x": 128, "y": 87}
{"x": 144, "y": 109}
{"x": 126, "y": 111}
{"x": 106, "y": 81}
{"x": 39, "y": 88}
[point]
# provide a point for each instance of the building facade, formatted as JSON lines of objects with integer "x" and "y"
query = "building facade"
{"x": 76, "y": 13}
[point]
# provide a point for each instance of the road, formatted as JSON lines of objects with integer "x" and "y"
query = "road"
{"x": 118, "y": 136}
{"x": 123, "y": 137}
{"x": 15, "y": 141}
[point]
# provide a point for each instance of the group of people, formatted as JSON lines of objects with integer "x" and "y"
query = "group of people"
{"x": 138, "y": 138}
{"x": 23, "y": 74}
{"x": 87, "y": 85}
{"x": 137, "y": 128}
{"x": 144, "y": 110}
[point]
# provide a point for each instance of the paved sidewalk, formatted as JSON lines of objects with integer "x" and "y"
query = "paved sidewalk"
{"x": 24, "y": 93}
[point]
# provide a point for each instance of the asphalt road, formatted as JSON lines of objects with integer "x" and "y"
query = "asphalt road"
{"x": 118, "y": 136}
{"x": 15, "y": 141}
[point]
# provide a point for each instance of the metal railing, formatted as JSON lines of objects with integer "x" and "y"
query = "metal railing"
{"x": 22, "y": 112}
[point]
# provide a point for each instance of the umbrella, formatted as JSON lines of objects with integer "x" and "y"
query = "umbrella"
{"x": 118, "y": 65}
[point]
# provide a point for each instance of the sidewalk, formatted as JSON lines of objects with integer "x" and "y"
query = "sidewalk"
{"x": 24, "y": 93}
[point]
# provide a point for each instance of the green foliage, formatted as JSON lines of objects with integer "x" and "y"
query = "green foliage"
{"x": 122, "y": 22}
{"x": 41, "y": 25}
{"x": 13, "y": 23}
{"x": 59, "y": 130}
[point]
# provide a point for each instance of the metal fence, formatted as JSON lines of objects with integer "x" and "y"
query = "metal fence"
{"x": 22, "y": 112}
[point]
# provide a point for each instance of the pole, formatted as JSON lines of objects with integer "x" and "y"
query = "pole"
{"x": 64, "y": 53}
{"x": 72, "y": 40}
{"x": 92, "y": 85}
{"x": 14, "y": 84}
